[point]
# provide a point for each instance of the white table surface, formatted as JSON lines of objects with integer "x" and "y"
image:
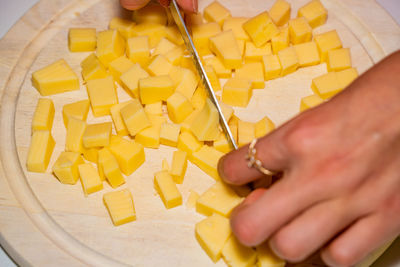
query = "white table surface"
{"x": 12, "y": 10}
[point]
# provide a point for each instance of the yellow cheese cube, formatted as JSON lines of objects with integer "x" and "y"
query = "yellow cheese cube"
{"x": 253, "y": 72}
{"x": 314, "y": 12}
{"x": 206, "y": 158}
{"x": 254, "y": 54}
{"x": 338, "y": 59}
{"x": 40, "y": 150}
{"x": 188, "y": 142}
{"x": 156, "y": 120}
{"x": 188, "y": 82}
{"x": 178, "y": 107}
{"x": 237, "y": 92}
{"x": 272, "y": 67}
{"x": 138, "y": 50}
{"x": 201, "y": 35}
{"x": 234, "y": 130}
{"x": 124, "y": 26}
{"x": 151, "y": 13}
{"x": 191, "y": 201}
{"x": 165, "y": 165}
{"x": 130, "y": 79}
{"x": 205, "y": 125}
{"x": 66, "y": 167}
{"x": 261, "y": 29}
{"x": 166, "y": 188}
{"x": 82, "y": 39}
{"x": 246, "y": 132}
{"x": 173, "y": 34}
{"x": 175, "y": 55}
{"x": 149, "y": 137}
{"x": 219, "y": 198}
{"x": 236, "y": 254}
{"x": 307, "y": 53}
{"x": 159, "y": 66}
{"x": 299, "y": 31}
{"x": 134, "y": 117}
{"x": 178, "y": 166}
{"x": 222, "y": 144}
{"x": 78, "y": 110}
{"x": 110, "y": 45}
{"x": 224, "y": 45}
{"x": 90, "y": 178}
{"x": 102, "y": 95}
{"x": 280, "y": 12}
{"x": 227, "y": 110}
{"x": 55, "y": 78}
{"x": 280, "y": 41}
{"x": 163, "y": 47}
{"x": 97, "y": 135}
{"x": 169, "y": 134}
{"x": 326, "y": 85}
{"x": 310, "y": 102}
{"x": 154, "y": 108}
{"x": 220, "y": 69}
{"x": 154, "y": 89}
{"x": 236, "y": 25}
{"x": 266, "y": 258}
{"x": 130, "y": 155}
{"x": 120, "y": 206}
{"x": 289, "y": 61}
{"x": 119, "y": 124}
{"x": 199, "y": 97}
{"x": 108, "y": 165}
{"x": 154, "y": 31}
{"x": 75, "y": 130}
{"x": 92, "y": 68}
{"x": 92, "y": 155}
{"x": 215, "y": 12}
{"x": 263, "y": 127}
{"x": 213, "y": 78}
{"x": 185, "y": 125}
{"x": 119, "y": 66}
{"x": 346, "y": 77}
{"x": 327, "y": 41}
{"x": 44, "y": 115}
{"x": 212, "y": 234}
{"x": 242, "y": 46}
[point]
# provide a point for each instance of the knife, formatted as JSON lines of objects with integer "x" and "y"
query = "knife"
{"x": 176, "y": 14}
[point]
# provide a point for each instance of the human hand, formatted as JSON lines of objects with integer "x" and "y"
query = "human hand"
{"x": 186, "y": 5}
{"x": 340, "y": 189}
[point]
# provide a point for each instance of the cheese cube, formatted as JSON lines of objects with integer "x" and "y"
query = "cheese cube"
{"x": 166, "y": 188}
{"x": 280, "y": 12}
{"x": 242, "y": 46}
{"x": 178, "y": 166}
{"x": 261, "y": 29}
{"x": 255, "y": 54}
{"x": 102, "y": 95}
{"x": 299, "y": 31}
{"x": 327, "y": 41}
{"x": 154, "y": 31}
{"x": 213, "y": 78}
{"x": 237, "y": 92}
{"x": 178, "y": 107}
{"x": 124, "y": 26}
{"x": 163, "y": 47}
{"x": 159, "y": 66}
{"x": 149, "y": 137}
{"x": 346, "y": 77}
{"x": 82, "y": 39}
{"x": 307, "y": 53}
{"x": 92, "y": 155}
{"x": 326, "y": 85}
{"x": 234, "y": 130}
{"x": 253, "y": 72}
{"x": 130, "y": 79}
{"x": 110, "y": 45}
{"x": 206, "y": 158}
{"x": 130, "y": 155}
{"x": 246, "y": 132}
{"x": 263, "y": 127}
{"x": 225, "y": 47}
{"x": 74, "y": 139}
{"x": 173, "y": 34}
{"x": 310, "y": 102}
{"x": 191, "y": 201}
{"x": 138, "y": 50}
{"x": 175, "y": 55}
{"x": 169, "y": 134}
{"x": 97, "y": 135}
{"x": 154, "y": 108}
{"x": 66, "y": 167}
{"x": 266, "y": 258}
{"x": 202, "y": 34}
{"x": 154, "y": 89}
{"x": 289, "y": 61}
{"x": 188, "y": 82}
{"x": 116, "y": 116}
{"x": 156, "y": 120}
{"x": 236, "y": 254}
{"x": 134, "y": 117}
{"x": 272, "y": 67}
{"x": 314, "y": 12}
{"x": 219, "y": 198}
{"x": 120, "y": 206}
{"x": 108, "y": 165}
{"x": 44, "y": 115}
{"x": 338, "y": 59}
{"x": 90, "y": 178}
{"x": 236, "y": 25}
{"x": 188, "y": 142}
{"x": 227, "y": 110}
{"x": 151, "y": 13}
{"x": 205, "y": 125}
{"x": 215, "y": 12}
{"x": 199, "y": 97}
{"x": 78, "y": 110}
{"x": 212, "y": 234}
{"x": 92, "y": 68}
{"x": 119, "y": 66}
{"x": 40, "y": 150}
{"x": 220, "y": 69}
{"x": 55, "y": 78}
{"x": 222, "y": 144}
{"x": 165, "y": 165}
{"x": 280, "y": 41}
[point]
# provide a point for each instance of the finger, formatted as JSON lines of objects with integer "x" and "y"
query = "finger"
{"x": 133, "y": 4}
{"x": 189, "y": 5}
{"x": 254, "y": 196}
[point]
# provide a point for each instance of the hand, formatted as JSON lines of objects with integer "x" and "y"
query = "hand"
{"x": 186, "y": 5}
{"x": 340, "y": 189}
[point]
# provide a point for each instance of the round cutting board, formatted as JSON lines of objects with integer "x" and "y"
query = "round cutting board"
{"x": 44, "y": 222}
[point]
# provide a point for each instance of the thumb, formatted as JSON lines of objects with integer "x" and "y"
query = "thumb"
{"x": 133, "y": 4}
{"x": 186, "y": 5}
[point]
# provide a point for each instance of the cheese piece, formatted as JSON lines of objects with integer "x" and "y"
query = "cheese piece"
{"x": 173, "y": 34}
{"x": 326, "y": 85}
{"x": 90, "y": 178}
{"x": 206, "y": 158}
{"x": 169, "y": 134}
{"x": 237, "y": 92}
{"x": 327, "y": 41}
{"x": 201, "y": 35}
{"x": 138, "y": 50}
{"x": 154, "y": 108}
{"x": 307, "y": 54}
{"x": 163, "y": 47}
{"x": 110, "y": 45}
{"x": 66, "y": 167}
{"x": 246, "y": 132}
{"x": 82, "y": 39}
{"x": 130, "y": 155}
{"x": 165, "y": 165}
{"x": 124, "y": 26}
{"x": 78, "y": 110}
{"x": 234, "y": 131}
{"x": 241, "y": 45}
{"x": 263, "y": 127}
{"x": 156, "y": 120}
{"x": 236, "y": 255}
{"x": 266, "y": 258}
{"x": 178, "y": 166}
{"x": 205, "y": 125}
{"x": 178, "y": 107}
{"x": 175, "y": 55}
{"x": 108, "y": 165}
{"x": 220, "y": 69}
{"x": 222, "y": 144}
{"x": 253, "y": 72}
{"x": 225, "y": 47}
{"x": 289, "y": 61}
{"x": 198, "y": 99}
{"x": 272, "y": 67}
{"x": 91, "y": 154}
{"x": 261, "y": 29}
{"x": 310, "y": 102}
{"x": 166, "y": 188}
{"x": 314, "y": 12}
{"x": 151, "y": 13}
{"x": 116, "y": 116}
{"x": 55, "y": 78}
{"x": 154, "y": 31}
{"x": 149, "y": 137}
{"x": 102, "y": 95}
{"x": 191, "y": 201}
{"x": 159, "y": 66}
{"x": 346, "y": 77}
{"x": 40, "y": 150}
{"x": 188, "y": 142}
{"x": 255, "y": 54}
{"x": 134, "y": 117}
{"x": 280, "y": 12}
{"x": 280, "y": 41}
{"x": 213, "y": 78}
{"x": 92, "y": 68}
{"x": 187, "y": 82}
{"x": 74, "y": 139}
{"x": 130, "y": 79}
{"x": 120, "y": 206}
{"x": 236, "y": 25}
{"x": 299, "y": 31}
{"x": 44, "y": 115}
{"x": 97, "y": 135}
{"x": 215, "y": 12}
{"x": 227, "y": 111}
{"x": 219, "y": 198}
{"x": 212, "y": 234}
{"x": 338, "y": 59}
{"x": 119, "y": 66}
{"x": 154, "y": 89}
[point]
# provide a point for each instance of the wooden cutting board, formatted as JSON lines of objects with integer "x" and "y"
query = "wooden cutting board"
{"x": 44, "y": 222}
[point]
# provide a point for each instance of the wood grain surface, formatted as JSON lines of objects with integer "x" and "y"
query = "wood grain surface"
{"x": 44, "y": 222}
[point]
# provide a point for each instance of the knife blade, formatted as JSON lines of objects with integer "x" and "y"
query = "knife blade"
{"x": 177, "y": 16}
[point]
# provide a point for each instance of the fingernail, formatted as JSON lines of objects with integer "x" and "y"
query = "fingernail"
{"x": 220, "y": 168}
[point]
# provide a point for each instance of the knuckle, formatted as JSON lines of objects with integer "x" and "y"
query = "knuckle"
{"x": 339, "y": 256}
{"x": 299, "y": 140}
{"x": 286, "y": 247}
